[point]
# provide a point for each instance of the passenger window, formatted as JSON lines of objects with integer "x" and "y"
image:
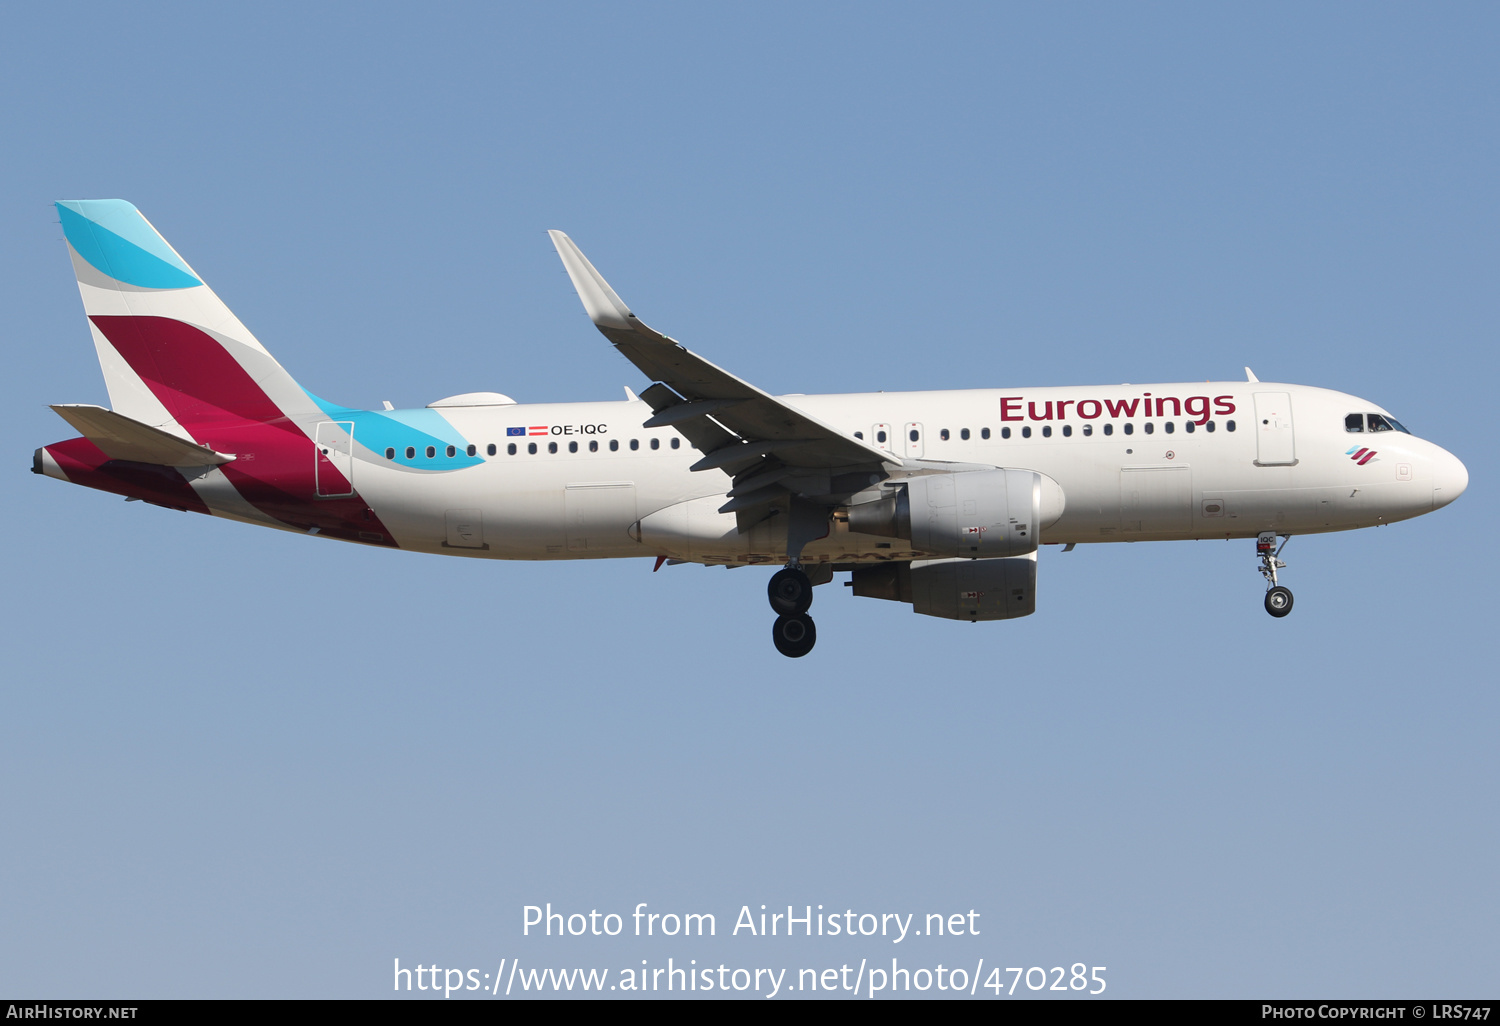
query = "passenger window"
{"x": 913, "y": 435}
{"x": 676, "y": 443}
{"x": 431, "y": 451}
{"x": 1046, "y": 430}
{"x": 593, "y": 445}
{"x": 1169, "y": 427}
{"x": 656, "y": 443}
{"x": 1026, "y": 431}
{"x": 1067, "y": 430}
{"x": 1150, "y": 428}
{"x": 1088, "y": 429}
{"x": 1129, "y": 429}
{"x": 472, "y": 450}
{"x": 880, "y": 436}
{"x": 1004, "y": 432}
{"x": 1354, "y": 422}
{"x": 634, "y": 444}
{"x": 943, "y": 434}
{"x": 452, "y": 452}
{"x": 411, "y": 452}
{"x": 510, "y": 450}
{"x": 1109, "y": 429}
{"x": 1209, "y": 426}
{"x": 390, "y": 454}
{"x": 531, "y": 448}
{"x": 985, "y": 433}
{"x": 572, "y": 446}
{"x": 1377, "y": 422}
{"x": 551, "y": 446}
{"x": 491, "y": 449}
{"x": 1190, "y": 426}
{"x": 860, "y": 435}
{"x": 964, "y": 434}
{"x": 614, "y": 445}
{"x": 1229, "y": 425}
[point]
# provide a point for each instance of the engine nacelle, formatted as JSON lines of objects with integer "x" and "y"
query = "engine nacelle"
{"x": 956, "y": 589}
{"x": 975, "y": 514}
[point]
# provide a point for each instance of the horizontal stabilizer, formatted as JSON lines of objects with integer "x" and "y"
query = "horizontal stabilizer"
{"x": 121, "y": 438}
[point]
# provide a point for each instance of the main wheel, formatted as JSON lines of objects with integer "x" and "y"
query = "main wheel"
{"x": 790, "y": 592}
{"x": 1279, "y": 601}
{"x": 794, "y": 635}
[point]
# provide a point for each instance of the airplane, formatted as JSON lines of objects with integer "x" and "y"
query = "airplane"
{"x": 937, "y": 499}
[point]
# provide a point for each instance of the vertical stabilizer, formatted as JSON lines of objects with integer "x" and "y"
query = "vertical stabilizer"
{"x": 173, "y": 355}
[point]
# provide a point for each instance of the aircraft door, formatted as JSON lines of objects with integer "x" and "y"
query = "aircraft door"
{"x": 880, "y": 436}
{"x": 1274, "y": 442}
{"x": 911, "y": 434}
{"x": 333, "y": 458}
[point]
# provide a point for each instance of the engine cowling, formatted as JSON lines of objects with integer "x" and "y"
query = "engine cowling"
{"x": 974, "y": 514}
{"x": 956, "y": 589}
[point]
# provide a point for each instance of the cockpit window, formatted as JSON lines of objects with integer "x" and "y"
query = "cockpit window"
{"x": 1377, "y": 422}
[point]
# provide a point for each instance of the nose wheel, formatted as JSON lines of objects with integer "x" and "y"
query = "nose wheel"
{"x": 1279, "y": 601}
{"x": 1278, "y": 597}
{"x": 791, "y": 594}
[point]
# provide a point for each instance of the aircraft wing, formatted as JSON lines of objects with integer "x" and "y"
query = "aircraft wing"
{"x": 702, "y": 395}
{"x": 121, "y": 438}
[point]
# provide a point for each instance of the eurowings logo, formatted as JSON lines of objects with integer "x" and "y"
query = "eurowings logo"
{"x": 1361, "y": 456}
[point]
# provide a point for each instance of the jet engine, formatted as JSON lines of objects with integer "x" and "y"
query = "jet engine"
{"x": 975, "y": 514}
{"x": 956, "y": 589}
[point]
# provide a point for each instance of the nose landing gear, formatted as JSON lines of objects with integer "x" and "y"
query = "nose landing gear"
{"x": 791, "y": 593}
{"x": 1278, "y": 598}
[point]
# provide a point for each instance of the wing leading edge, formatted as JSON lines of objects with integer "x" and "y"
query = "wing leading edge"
{"x": 738, "y": 427}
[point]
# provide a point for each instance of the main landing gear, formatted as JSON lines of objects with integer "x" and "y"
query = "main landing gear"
{"x": 791, "y": 594}
{"x": 1278, "y": 598}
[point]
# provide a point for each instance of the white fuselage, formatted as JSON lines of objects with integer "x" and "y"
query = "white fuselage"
{"x": 1257, "y": 457}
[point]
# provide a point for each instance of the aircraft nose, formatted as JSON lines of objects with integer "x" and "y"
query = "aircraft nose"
{"x": 1449, "y": 479}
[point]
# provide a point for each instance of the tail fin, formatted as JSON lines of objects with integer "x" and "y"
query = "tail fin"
{"x": 173, "y": 355}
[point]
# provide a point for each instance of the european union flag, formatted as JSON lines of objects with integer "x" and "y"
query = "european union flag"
{"x": 513, "y": 432}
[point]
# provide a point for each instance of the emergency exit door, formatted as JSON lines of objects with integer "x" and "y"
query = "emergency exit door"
{"x": 911, "y": 434}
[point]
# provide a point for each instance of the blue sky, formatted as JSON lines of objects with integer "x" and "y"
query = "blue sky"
{"x": 242, "y": 763}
